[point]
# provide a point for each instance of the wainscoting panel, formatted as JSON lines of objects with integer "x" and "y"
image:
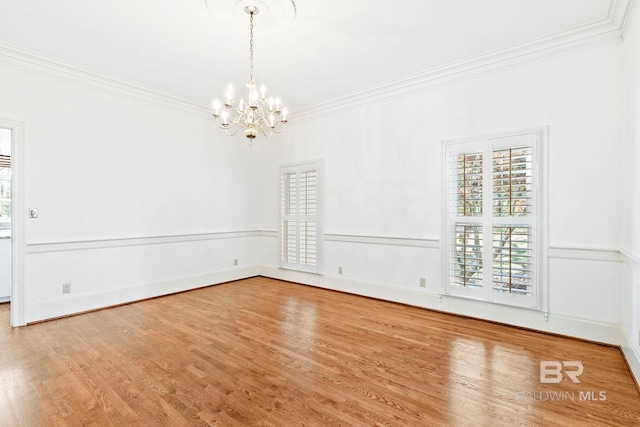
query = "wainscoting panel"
{"x": 102, "y": 273}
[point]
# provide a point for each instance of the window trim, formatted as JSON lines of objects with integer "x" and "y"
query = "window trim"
{"x": 318, "y": 166}
{"x": 488, "y": 144}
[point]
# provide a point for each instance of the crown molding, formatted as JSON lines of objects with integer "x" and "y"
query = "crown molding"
{"x": 51, "y": 67}
{"x": 610, "y": 28}
{"x": 627, "y": 17}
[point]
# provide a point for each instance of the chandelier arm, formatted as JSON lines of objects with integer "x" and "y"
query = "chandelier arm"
{"x": 278, "y": 130}
{"x": 225, "y": 127}
{"x": 278, "y": 126}
{"x": 235, "y": 120}
{"x": 232, "y": 121}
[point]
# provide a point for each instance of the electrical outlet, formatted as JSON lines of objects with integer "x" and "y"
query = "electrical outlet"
{"x": 423, "y": 282}
{"x": 66, "y": 288}
{"x": 339, "y": 270}
{"x": 235, "y": 261}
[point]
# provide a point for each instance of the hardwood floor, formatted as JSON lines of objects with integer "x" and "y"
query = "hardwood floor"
{"x": 269, "y": 353}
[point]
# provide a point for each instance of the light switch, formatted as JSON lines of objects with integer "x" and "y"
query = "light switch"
{"x": 33, "y": 212}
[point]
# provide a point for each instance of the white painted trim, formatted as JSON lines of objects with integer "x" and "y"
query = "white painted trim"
{"x": 609, "y": 28}
{"x": 18, "y": 215}
{"x": 554, "y": 252}
{"x": 374, "y": 240}
{"x": 585, "y": 254}
{"x": 543, "y": 217}
{"x": 632, "y": 355}
{"x": 383, "y": 240}
{"x": 77, "y": 304}
{"x": 631, "y": 259}
{"x": 42, "y": 247}
{"x": 604, "y": 332}
{"x": 629, "y": 348}
{"x": 30, "y": 61}
{"x": 626, "y": 18}
{"x": 268, "y": 233}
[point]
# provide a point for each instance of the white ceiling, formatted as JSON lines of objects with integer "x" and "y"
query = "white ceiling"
{"x": 333, "y": 47}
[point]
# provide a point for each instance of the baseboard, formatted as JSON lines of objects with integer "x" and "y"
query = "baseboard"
{"x": 565, "y": 325}
{"x": 77, "y": 304}
{"x": 632, "y": 356}
{"x": 603, "y": 332}
{"x": 587, "y": 329}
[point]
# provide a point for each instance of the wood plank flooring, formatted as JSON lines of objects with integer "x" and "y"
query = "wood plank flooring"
{"x": 261, "y": 352}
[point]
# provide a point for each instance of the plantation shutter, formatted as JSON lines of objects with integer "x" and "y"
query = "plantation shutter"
{"x": 466, "y": 260}
{"x": 289, "y": 217}
{"x": 491, "y": 219}
{"x": 5, "y": 161}
{"x": 300, "y": 217}
{"x": 465, "y": 204}
{"x": 512, "y": 230}
{"x": 5, "y": 191}
{"x": 308, "y": 217}
{"x": 512, "y": 259}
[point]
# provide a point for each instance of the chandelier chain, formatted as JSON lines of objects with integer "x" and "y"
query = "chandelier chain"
{"x": 251, "y": 47}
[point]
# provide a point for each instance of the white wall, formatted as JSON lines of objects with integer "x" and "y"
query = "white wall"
{"x": 137, "y": 199}
{"x": 383, "y": 175}
{"x": 631, "y": 248}
{"x": 131, "y": 196}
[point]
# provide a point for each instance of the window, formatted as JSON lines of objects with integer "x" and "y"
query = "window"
{"x": 491, "y": 233}
{"x": 300, "y": 217}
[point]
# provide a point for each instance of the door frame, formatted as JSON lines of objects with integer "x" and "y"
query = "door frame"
{"x": 18, "y": 244}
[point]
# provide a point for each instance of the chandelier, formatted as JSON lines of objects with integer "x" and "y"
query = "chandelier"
{"x": 255, "y": 115}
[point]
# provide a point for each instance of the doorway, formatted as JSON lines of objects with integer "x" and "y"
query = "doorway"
{"x": 12, "y": 264}
{"x": 5, "y": 215}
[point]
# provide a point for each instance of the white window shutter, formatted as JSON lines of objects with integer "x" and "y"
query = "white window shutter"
{"x": 300, "y": 217}
{"x": 490, "y": 243}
